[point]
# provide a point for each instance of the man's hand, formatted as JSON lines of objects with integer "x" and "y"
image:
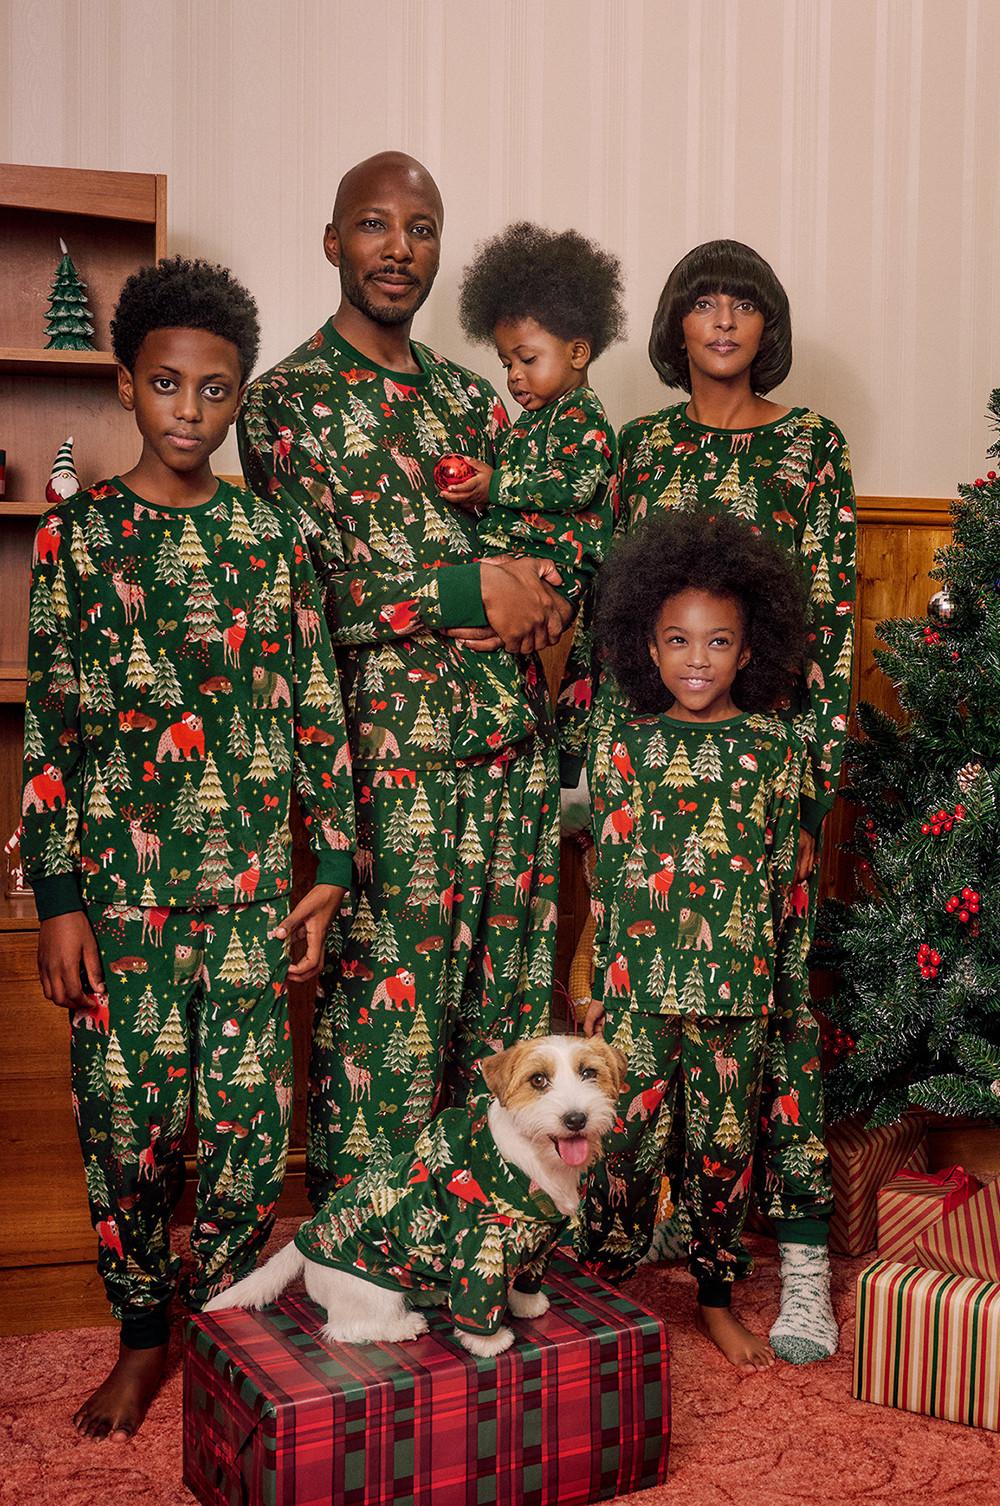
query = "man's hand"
{"x": 67, "y": 954}
{"x": 481, "y": 639}
{"x": 472, "y": 495}
{"x": 806, "y": 860}
{"x": 309, "y": 921}
{"x": 520, "y": 604}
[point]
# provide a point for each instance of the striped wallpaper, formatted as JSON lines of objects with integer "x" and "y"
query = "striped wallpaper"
{"x": 856, "y": 143}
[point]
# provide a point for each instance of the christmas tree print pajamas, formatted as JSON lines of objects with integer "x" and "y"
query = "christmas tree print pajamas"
{"x": 792, "y": 480}
{"x": 180, "y": 680}
{"x": 697, "y": 834}
{"x": 447, "y": 950}
{"x": 450, "y": 1218}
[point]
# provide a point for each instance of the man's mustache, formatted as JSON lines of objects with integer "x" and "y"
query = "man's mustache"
{"x": 392, "y": 272}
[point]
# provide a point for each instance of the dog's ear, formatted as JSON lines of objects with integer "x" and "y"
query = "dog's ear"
{"x": 497, "y": 1070}
{"x": 616, "y": 1060}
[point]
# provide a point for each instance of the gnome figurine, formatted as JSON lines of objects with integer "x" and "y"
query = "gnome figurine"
{"x": 64, "y": 482}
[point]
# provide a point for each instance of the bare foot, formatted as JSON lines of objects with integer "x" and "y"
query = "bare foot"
{"x": 745, "y": 1350}
{"x": 117, "y": 1408}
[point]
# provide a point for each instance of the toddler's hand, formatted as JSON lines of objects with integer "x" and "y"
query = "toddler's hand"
{"x": 593, "y": 1020}
{"x": 309, "y": 921}
{"x": 472, "y": 495}
{"x": 67, "y": 950}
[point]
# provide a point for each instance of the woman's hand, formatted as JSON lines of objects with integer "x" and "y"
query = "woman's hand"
{"x": 310, "y": 921}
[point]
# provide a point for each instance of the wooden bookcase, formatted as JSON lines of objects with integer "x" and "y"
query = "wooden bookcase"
{"x": 112, "y": 223}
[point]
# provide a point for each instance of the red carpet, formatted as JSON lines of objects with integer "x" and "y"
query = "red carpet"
{"x": 785, "y": 1438}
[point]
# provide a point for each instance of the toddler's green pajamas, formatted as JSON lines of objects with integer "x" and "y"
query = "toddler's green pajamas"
{"x": 697, "y": 828}
{"x": 448, "y": 947}
{"x": 180, "y": 682}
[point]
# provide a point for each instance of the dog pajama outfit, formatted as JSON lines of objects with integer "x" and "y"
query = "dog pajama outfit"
{"x": 450, "y": 1219}
{"x": 697, "y": 827}
{"x": 447, "y": 951}
{"x": 180, "y": 679}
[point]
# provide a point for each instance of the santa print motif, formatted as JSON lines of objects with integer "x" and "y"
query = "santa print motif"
{"x": 164, "y": 738}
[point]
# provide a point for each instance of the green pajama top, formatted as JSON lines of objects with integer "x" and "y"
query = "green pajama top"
{"x": 352, "y": 447}
{"x": 180, "y": 681}
{"x": 792, "y": 480}
{"x": 453, "y": 1219}
{"x": 696, "y": 826}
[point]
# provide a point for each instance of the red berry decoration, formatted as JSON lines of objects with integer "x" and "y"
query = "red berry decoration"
{"x": 991, "y": 475}
{"x": 452, "y": 470}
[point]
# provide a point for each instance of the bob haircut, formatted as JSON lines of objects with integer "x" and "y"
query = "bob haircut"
{"x": 722, "y": 267}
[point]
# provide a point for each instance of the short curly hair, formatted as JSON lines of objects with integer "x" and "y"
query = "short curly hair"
{"x": 181, "y": 294}
{"x": 701, "y": 552}
{"x": 566, "y": 283}
{"x": 739, "y": 271}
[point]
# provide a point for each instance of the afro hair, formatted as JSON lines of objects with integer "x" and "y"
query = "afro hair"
{"x": 739, "y": 271}
{"x": 700, "y": 552}
{"x": 181, "y": 294}
{"x": 567, "y": 284}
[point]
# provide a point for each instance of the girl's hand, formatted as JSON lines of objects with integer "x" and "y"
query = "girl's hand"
{"x": 806, "y": 860}
{"x": 472, "y": 495}
{"x": 67, "y": 950}
{"x": 310, "y": 921}
{"x": 483, "y": 640}
{"x": 593, "y": 1021}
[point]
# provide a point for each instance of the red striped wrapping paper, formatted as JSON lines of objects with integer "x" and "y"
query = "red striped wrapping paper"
{"x": 863, "y": 1160}
{"x": 929, "y": 1342}
{"x": 913, "y": 1202}
{"x": 967, "y": 1240}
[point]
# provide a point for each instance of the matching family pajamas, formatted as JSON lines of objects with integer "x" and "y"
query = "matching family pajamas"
{"x": 696, "y": 827}
{"x": 792, "y": 480}
{"x": 180, "y": 682}
{"x": 447, "y": 949}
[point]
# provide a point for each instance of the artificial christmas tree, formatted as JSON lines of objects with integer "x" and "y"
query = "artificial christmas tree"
{"x": 68, "y": 323}
{"x": 917, "y": 955}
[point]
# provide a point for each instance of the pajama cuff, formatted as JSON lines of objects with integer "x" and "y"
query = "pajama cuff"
{"x": 714, "y": 1293}
{"x": 803, "y": 1231}
{"x": 57, "y": 896}
{"x": 146, "y": 1327}
{"x": 335, "y": 868}
{"x": 812, "y": 814}
{"x": 570, "y": 769}
{"x": 460, "y": 597}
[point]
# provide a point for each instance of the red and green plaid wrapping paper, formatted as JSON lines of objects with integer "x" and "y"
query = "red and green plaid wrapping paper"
{"x": 577, "y": 1410}
{"x": 862, "y": 1161}
{"x": 914, "y": 1202}
{"x": 928, "y": 1341}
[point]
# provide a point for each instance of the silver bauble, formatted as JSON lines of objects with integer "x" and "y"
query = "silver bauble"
{"x": 942, "y": 605}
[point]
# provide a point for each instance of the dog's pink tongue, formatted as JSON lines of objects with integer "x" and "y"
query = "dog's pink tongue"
{"x": 575, "y": 1150}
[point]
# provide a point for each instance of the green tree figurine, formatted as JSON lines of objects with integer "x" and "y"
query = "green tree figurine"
{"x": 917, "y": 954}
{"x": 68, "y": 322}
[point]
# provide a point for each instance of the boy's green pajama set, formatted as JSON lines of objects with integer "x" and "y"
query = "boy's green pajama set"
{"x": 447, "y": 950}
{"x": 792, "y": 480}
{"x": 180, "y": 680}
{"x": 697, "y": 833}
{"x": 449, "y": 1218}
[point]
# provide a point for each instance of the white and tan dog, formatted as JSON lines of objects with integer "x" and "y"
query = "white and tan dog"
{"x": 552, "y": 1101}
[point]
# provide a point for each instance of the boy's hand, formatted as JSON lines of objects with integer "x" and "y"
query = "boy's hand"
{"x": 310, "y": 920}
{"x": 67, "y": 949}
{"x": 593, "y": 1020}
{"x": 472, "y": 495}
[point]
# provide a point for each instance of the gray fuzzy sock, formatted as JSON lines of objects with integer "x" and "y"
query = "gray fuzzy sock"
{"x": 805, "y": 1329}
{"x": 671, "y": 1239}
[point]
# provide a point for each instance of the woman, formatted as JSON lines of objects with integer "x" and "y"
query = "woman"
{"x": 722, "y": 333}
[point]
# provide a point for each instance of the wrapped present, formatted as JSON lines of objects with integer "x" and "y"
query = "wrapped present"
{"x": 913, "y": 1202}
{"x": 578, "y": 1409}
{"x": 862, "y": 1161}
{"x": 928, "y": 1341}
{"x": 967, "y": 1242}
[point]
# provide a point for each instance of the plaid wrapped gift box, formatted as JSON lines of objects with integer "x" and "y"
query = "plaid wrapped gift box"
{"x": 912, "y": 1202}
{"x": 577, "y": 1410}
{"x": 862, "y": 1161}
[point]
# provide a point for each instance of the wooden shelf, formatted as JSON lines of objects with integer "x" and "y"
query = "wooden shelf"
{"x": 13, "y": 682}
{"x": 57, "y": 362}
{"x": 17, "y": 912}
{"x": 11, "y": 508}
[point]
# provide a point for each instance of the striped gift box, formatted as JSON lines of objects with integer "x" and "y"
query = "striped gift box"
{"x": 913, "y": 1202}
{"x": 929, "y": 1342}
{"x": 967, "y": 1241}
{"x": 577, "y": 1410}
{"x": 862, "y": 1161}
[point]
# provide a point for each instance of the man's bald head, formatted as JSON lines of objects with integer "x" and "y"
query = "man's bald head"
{"x": 386, "y": 173}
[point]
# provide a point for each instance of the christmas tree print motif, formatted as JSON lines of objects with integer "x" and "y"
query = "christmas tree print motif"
{"x": 234, "y": 967}
{"x": 80, "y": 555}
{"x": 100, "y": 696}
{"x": 140, "y": 672}
{"x": 692, "y": 1000}
{"x": 187, "y": 814}
{"x": 123, "y": 1128}
{"x": 68, "y": 320}
{"x": 396, "y": 1057}
{"x": 678, "y": 774}
{"x": 399, "y": 830}
{"x": 728, "y": 1131}
{"x": 115, "y": 1070}
{"x": 165, "y": 689}
{"x": 708, "y": 762}
{"x": 358, "y": 1143}
{"x": 211, "y": 796}
{"x": 420, "y": 1097}
{"x": 170, "y": 567}
{"x": 170, "y": 1041}
{"x": 713, "y": 833}
{"x": 215, "y": 856}
{"x": 190, "y": 549}
{"x": 794, "y": 465}
{"x": 41, "y": 617}
{"x": 489, "y": 1261}
{"x": 98, "y": 537}
{"x": 147, "y": 1015}
{"x": 97, "y": 1187}
{"x": 249, "y": 1074}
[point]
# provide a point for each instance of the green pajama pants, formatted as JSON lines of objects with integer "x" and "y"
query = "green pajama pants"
{"x": 446, "y": 950}
{"x": 196, "y": 1014}
{"x": 713, "y": 1068}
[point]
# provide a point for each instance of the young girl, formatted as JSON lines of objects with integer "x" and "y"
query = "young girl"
{"x": 551, "y": 302}
{"x": 696, "y": 810}
{"x": 722, "y": 333}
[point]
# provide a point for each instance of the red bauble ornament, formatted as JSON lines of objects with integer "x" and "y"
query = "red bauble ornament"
{"x": 451, "y": 470}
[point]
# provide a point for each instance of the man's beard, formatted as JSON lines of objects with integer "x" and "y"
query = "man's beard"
{"x": 386, "y": 314}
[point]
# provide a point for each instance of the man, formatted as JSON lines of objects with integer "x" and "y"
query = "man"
{"x": 447, "y": 949}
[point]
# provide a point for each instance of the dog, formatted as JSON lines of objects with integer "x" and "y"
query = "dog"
{"x": 470, "y": 1215}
